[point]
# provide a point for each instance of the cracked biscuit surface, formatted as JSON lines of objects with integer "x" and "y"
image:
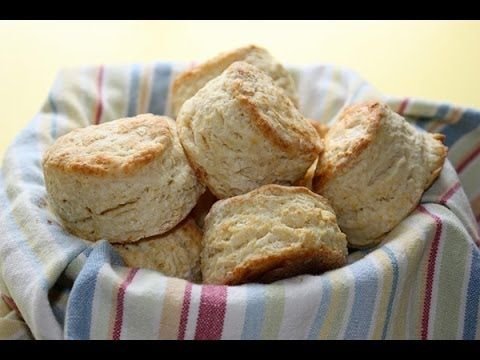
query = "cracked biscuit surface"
{"x": 187, "y": 83}
{"x": 175, "y": 253}
{"x": 375, "y": 169}
{"x": 240, "y": 131}
{"x": 122, "y": 180}
{"x": 270, "y": 233}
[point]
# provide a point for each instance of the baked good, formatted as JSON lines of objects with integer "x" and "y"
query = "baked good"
{"x": 375, "y": 169}
{"x": 187, "y": 83}
{"x": 307, "y": 180}
{"x": 240, "y": 131}
{"x": 202, "y": 208}
{"x": 268, "y": 234}
{"x": 321, "y": 128}
{"x": 122, "y": 180}
{"x": 175, "y": 253}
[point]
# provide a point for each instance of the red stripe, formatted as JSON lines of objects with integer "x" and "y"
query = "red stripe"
{"x": 430, "y": 271}
{"x": 11, "y": 304}
{"x": 117, "y": 328}
{"x": 403, "y": 106}
{"x": 99, "y": 104}
{"x": 185, "y": 308}
{"x": 449, "y": 193}
{"x": 468, "y": 160}
{"x": 213, "y": 304}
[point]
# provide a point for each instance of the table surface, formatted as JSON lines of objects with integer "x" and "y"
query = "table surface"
{"x": 438, "y": 60}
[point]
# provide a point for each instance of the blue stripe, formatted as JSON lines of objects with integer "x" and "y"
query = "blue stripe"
{"x": 366, "y": 284}
{"x": 161, "y": 81}
{"x": 27, "y": 162}
{"x": 473, "y": 296}
{"x": 469, "y": 121}
{"x": 442, "y": 111}
{"x": 53, "y": 126}
{"x": 58, "y": 309}
{"x": 420, "y": 122}
{"x": 80, "y": 302}
{"x": 393, "y": 291}
{"x": 254, "y": 313}
{"x": 19, "y": 245}
{"x": 133, "y": 90}
{"x": 26, "y": 157}
{"x": 322, "y": 309}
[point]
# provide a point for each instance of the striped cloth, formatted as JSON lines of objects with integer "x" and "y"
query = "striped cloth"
{"x": 421, "y": 282}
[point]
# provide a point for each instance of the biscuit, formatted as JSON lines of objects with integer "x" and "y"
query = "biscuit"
{"x": 175, "y": 253}
{"x": 375, "y": 169}
{"x": 240, "y": 131}
{"x": 187, "y": 84}
{"x": 307, "y": 180}
{"x": 122, "y": 180}
{"x": 271, "y": 233}
{"x": 321, "y": 128}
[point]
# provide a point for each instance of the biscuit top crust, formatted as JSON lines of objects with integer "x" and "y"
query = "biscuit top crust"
{"x": 245, "y": 202}
{"x": 189, "y": 82}
{"x": 216, "y": 64}
{"x": 116, "y": 148}
{"x": 270, "y": 109}
{"x": 349, "y": 136}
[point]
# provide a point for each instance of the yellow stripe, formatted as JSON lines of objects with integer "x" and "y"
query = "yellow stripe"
{"x": 103, "y": 313}
{"x": 436, "y": 126}
{"x": 116, "y": 101}
{"x": 73, "y": 111}
{"x": 275, "y": 304}
{"x": 145, "y": 90}
{"x": 79, "y": 108}
{"x": 410, "y": 237}
{"x": 341, "y": 283}
{"x": 19, "y": 211}
{"x": 454, "y": 115}
{"x": 172, "y": 308}
{"x": 379, "y": 317}
{"x": 12, "y": 328}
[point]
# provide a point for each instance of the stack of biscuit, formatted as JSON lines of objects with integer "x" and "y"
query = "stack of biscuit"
{"x": 241, "y": 187}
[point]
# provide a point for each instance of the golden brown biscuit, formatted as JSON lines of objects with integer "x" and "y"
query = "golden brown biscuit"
{"x": 175, "y": 253}
{"x": 122, "y": 180}
{"x": 190, "y": 81}
{"x": 269, "y": 234}
{"x": 240, "y": 131}
{"x": 321, "y": 129}
{"x": 375, "y": 169}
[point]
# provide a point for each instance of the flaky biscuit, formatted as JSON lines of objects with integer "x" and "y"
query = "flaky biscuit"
{"x": 322, "y": 129}
{"x": 187, "y": 84}
{"x": 375, "y": 169}
{"x": 269, "y": 234}
{"x": 175, "y": 253}
{"x": 240, "y": 131}
{"x": 122, "y": 180}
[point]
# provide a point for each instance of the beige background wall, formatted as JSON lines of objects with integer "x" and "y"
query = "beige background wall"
{"x": 439, "y": 60}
